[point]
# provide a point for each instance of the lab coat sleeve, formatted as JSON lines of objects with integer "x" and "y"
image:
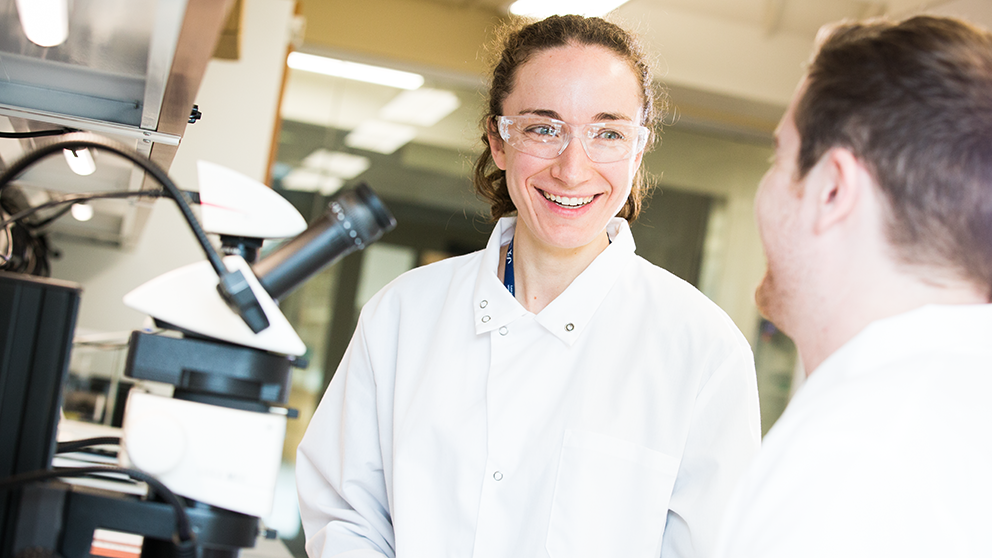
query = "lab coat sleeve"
{"x": 339, "y": 467}
{"x": 724, "y": 435}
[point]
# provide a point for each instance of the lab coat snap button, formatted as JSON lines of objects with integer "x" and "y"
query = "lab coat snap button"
{"x": 569, "y": 327}
{"x": 483, "y": 304}
{"x": 485, "y": 319}
{"x": 498, "y": 476}
{"x": 502, "y": 330}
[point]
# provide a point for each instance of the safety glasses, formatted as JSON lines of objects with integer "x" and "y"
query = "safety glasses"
{"x": 547, "y": 138}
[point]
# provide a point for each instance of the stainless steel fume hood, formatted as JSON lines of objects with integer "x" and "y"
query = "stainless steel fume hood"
{"x": 129, "y": 70}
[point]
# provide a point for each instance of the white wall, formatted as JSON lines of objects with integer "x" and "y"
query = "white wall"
{"x": 239, "y": 101}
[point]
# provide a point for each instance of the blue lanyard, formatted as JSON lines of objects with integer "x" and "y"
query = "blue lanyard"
{"x": 508, "y": 269}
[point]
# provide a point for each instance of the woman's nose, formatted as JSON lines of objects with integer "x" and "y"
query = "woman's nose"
{"x": 573, "y": 164}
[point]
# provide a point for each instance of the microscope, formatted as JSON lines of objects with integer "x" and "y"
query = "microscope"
{"x": 208, "y": 454}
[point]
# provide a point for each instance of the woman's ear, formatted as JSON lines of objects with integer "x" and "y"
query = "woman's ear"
{"x": 636, "y": 162}
{"x": 496, "y": 146}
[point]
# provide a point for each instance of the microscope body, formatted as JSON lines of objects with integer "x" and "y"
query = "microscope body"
{"x": 217, "y": 441}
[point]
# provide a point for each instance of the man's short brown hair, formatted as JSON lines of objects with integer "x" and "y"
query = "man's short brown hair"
{"x": 913, "y": 101}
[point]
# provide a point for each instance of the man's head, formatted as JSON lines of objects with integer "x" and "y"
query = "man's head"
{"x": 912, "y": 103}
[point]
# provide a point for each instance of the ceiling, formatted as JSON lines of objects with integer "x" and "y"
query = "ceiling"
{"x": 730, "y": 67}
{"x": 729, "y": 64}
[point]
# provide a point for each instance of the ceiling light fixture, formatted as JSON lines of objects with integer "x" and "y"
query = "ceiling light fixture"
{"x": 310, "y": 180}
{"x": 379, "y": 136}
{"x": 80, "y": 161}
{"x": 337, "y": 163}
{"x": 81, "y": 211}
{"x": 544, "y": 8}
{"x": 423, "y": 107}
{"x": 354, "y": 70}
{"x": 45, "y": 22}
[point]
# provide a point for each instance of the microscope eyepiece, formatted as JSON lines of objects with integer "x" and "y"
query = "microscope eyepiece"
{"x": 354, "y": 219}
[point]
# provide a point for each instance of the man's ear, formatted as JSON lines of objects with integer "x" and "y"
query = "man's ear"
{"x": 843, "y": 179}
{"x": 496, "y": 146}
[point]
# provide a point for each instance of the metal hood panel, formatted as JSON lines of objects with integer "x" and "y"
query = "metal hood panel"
{"x": 129, "y": 70}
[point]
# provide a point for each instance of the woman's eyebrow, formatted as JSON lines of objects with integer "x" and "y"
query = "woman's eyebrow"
{"x": 609, "y": 116}
{"x": 542, "y": 112}
{"x": 601, "y": 117}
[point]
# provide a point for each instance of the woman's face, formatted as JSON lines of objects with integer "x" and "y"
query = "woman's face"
{"x": 578, "y": 84}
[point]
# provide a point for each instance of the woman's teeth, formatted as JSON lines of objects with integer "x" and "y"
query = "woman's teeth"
{"x": 568, "y": 202}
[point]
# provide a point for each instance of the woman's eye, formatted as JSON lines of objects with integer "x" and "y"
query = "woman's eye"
{"x": 542, "y": 130}
{"x": 609, "y": 135}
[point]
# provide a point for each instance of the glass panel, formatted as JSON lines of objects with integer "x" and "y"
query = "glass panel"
{"x": 382, "y": 264}
{"x": 775, "y": 359}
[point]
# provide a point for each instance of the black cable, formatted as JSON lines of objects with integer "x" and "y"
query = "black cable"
{"x": 25, "y": 252}
{"x": 36, "y": 133}
{"x": 48, "y": 220}
{"x": 233, "y": 287}
{"x": 83, "y": 140}
{"x": 5, "y": 258}
{"x": 184, "y": 533}
{"x": 75, "y": 445}
{"x": 79, "y": 198}
{"x": 38, "y": 264}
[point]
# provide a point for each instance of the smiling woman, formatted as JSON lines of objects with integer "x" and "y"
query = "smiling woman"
{"x": 554, "y": 394}
{"x": 581, "y": 85}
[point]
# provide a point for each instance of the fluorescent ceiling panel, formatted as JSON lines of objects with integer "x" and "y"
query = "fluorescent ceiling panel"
{"x": 544, "y": 8}
{"x": 337, "y": 163}
{"x": 308, "y": 180}
{"x": 379, "y": 136}
{"x": 421, "y": 107}
{"x": 354, "y": 70}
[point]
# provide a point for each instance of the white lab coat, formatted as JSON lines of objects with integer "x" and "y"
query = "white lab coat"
{"x": 886, "y": 450}
{"x": 613, "y": 423}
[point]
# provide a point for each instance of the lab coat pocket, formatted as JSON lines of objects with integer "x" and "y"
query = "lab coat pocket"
{"x": 611, "y": 498}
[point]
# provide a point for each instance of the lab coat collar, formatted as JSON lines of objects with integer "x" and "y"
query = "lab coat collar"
{"x": 929, "y": 329}
{"x": 568, "y": 315}
{"x": 494, "y": 306}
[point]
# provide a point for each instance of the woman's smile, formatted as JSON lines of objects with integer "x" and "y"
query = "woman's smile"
{"x": 569, "y": 202}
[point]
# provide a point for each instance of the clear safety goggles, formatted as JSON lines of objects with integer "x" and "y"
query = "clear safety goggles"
{"x": 547, "y": 138}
